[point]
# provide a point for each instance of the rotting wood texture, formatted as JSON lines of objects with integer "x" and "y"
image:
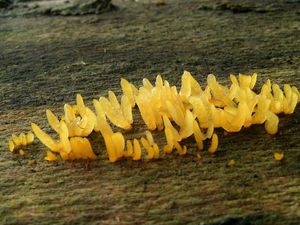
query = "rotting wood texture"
{"x": 45, "y": 61}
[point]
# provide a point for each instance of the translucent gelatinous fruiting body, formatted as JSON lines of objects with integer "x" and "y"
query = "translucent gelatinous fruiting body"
{"x": 181, "y": 112}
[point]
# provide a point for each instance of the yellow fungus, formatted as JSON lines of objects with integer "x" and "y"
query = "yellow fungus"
{"x": 53, "y": 121}
{"x": 81, "y": 148}
{"x": 50, "y": 156}
{"x": 146, "y": 112}
{"x": 170, "y": 140}
{"x": 245, "y": 81}
{"x": 64, "y": 137}
{"x": 253, "y": 80}
{"x": 278, "y": 156}
{"x": 119, "y": 144}
{"x": 156, "y": 151}
{"x": 186, "y": 129}
{"x": 113, "y": 100}
{"x": 64, "y": 155}
{"x": 128, "y": 91}
{"x": 159, "y": 81}
{"x": 147, "y": 84}
{"x": 176, "y": 113}
{"x": 114, "y": 114}
{"x": 45, "y": 138}
{"x": 271, "y": 124}
{"x": 180, "y": 150}
{"x": 214, "y": 144}
{"x": 11, "y": 145}
{"x": 29, "y": 138}
{"x": 22, "y": 139}
{"x": 181, "y": 113}
{"x": 137, "y": 152}
{"x": 129, "y": 149}
{"x": 101, "y": 124}
{"x": 16, "y": 142}
{"x": 167, "y": 149}
{"x": 199, "y": 137}
{"x": 149, "y": 137}
{"x": 126, "y": 109}
{"x": 110, "y": 148}
{"x": 148, "y": 147}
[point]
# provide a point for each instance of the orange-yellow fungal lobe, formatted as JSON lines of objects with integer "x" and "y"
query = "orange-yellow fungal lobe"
{"x": 271, "y": 124}
{"x": 29, "y": 138}
{"x": 129, "y": 149}
{"x": 81, "y": 148}
{"x": 186, "y": 87}
{"x": 156, "y": 151}
{"x": 146, "y": 112}
{"x": 287, "y": 90}
{"x": 170, "y": 139}
{"x": 45, "y": 138}
{"x": 147, "y": 84}
{"x": 114, "y": 114}
{"x": 199, "y": 137}
{"x": 50, "y": 156}
{"x": 214, "y": 144}
{"x": 113, "y": 100}
{"x": 187, "y": 126}
{"x": 64, "y": 156}
{"x": 53, "y": 121}
{"x": 22, "y": 139}
{"x": 239, "y": 118}
{"x": 210, "y": 131}
{"x": 253, "y": 80}
{"x": 64, "y": 137}
{"x": 126, "y": 109}
{"x": 11, "y": 145}
{"x": 176, "y": 113}
{"x": 278, "y": 156}
{"x": 69, "y": 114}
{"x": 80, "y": 104}
{"x": 79, "y": 119}
{"x": 180, "y": 150}
{"x": 101, "y": 124}
{"x": 173, "y": 134}
{"x": 159, "y": 81}
{"x": 148, "y": 147}
{"x": 149, "y": 137}
{"x": 110, "y": 148}
{"x": 137, "y": 152}
{"x": 295, "y": 90}
{"x": 233, "y": 79}
{"x": 167, "y": 149}
{"x": 245, "y": 81}
{"x": 119, "y": 144}
{"x": 16, "y": 140}
{"x": 128, "y": 91}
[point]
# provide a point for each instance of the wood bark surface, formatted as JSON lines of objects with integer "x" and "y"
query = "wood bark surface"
{"x": 46, "y": 60}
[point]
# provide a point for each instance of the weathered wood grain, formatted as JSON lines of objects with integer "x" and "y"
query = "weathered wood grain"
{"x": 44, "y": 61}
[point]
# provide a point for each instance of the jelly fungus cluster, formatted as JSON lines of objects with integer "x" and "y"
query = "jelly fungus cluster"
{"x": 16, "y": 143}
{"x": 191, "y": 111}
